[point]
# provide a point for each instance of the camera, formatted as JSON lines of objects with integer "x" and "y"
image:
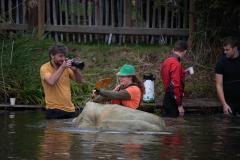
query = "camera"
{"x": 78, "y": 63}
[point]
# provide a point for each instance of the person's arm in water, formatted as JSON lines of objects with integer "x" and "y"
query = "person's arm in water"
{"x": 220, "y": 93}
{"x": 52, "y": 79}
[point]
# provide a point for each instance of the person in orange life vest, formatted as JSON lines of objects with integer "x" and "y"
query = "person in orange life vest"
{"x": 56, "y": 76}
{"x": 173, "y": 76}
{"x": 128, "y": 93}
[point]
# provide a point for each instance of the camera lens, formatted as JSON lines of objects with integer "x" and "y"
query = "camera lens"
{"x": 79, "y": 64}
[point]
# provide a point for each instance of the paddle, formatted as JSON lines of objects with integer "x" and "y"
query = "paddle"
{"x": 102, "y": 83}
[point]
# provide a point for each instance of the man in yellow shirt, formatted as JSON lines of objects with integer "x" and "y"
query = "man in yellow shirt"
{"x": 56, "y": 76}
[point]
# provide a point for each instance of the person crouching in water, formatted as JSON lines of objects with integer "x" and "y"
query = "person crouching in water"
{"x": 128, "y": 93}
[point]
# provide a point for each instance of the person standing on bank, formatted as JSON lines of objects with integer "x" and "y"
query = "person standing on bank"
{"x": 173, "y": 76}
{"x": 227, "y": 75}
{"x": 56, "y": 76}
{"x": 128, "y": 92}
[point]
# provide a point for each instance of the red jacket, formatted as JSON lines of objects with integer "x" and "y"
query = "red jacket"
{"x": 173, "y": 74}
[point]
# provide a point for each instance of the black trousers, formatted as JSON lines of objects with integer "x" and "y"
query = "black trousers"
{"x": 234, "y": 105}
{"x": 170, "y": 107}
{"x": 60, "y": 114}
{"x": 232, "y": 97}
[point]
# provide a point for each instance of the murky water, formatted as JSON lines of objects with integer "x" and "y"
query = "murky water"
{"x": 27, "y": 135}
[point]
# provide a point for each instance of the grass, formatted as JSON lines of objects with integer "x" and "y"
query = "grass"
{"x": 21, "y": 65}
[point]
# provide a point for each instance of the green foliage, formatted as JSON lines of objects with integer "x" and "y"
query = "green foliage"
{"x": 214, "y": 20}
{"x": 22, "y": 74}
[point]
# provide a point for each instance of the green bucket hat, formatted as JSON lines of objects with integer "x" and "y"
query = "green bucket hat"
{"x": 126, "y": 70}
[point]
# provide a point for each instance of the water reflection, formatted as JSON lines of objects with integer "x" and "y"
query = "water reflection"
{"x": 55, "y": 144}
{"x": 111, "y": 146}
{"x": 172, "y": 144}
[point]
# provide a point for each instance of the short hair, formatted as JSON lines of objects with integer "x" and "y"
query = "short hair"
{"x": 180, "y": 45}
{"x": 57, "y": 48}
{"x": 230, "y": 41}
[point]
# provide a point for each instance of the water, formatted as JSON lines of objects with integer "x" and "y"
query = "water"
{"x": 27, "y": 135}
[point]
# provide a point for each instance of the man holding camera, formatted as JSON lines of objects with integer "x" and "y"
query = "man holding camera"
{"x": 56, "y": 76}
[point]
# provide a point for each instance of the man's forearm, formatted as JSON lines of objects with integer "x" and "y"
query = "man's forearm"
{"x": 220, "y": 94}
{"x": 77, "y": 75}
{"x": 219, "y": 88}
{"x": 55, "y": 76}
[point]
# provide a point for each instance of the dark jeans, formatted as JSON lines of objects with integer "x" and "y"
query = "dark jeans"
{"x": 232, "y": 96}
{"x": 170, "y": 106}
{"x": 60, "y": 114}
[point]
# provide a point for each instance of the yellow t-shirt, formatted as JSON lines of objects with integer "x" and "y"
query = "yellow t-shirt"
{"x": 57, "y": 96}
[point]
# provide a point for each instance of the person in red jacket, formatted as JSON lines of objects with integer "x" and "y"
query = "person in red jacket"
{"x": 173, "y": 76}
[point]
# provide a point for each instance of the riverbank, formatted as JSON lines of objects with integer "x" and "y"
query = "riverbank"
{"x": 200, "y": 105}
{"x": 23, "y": 55}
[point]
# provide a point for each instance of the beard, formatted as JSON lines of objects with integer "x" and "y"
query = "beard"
{"x": 230, "y": 56}
{"x": 58, "y": 63}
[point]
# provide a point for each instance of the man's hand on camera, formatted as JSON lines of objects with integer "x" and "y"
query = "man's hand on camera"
{"x": 66, "y": 64}
{"x": 69, "y": 63}
{"x": 73, "y": 68}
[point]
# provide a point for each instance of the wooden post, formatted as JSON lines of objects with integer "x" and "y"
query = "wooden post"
{"x": 185, "y": 15}
{"x": 107, "y": 10}
{"x": 90, "y": 15}
{"x": 61, "y": 17}
{"x": 154, "y": 8}
{"x": 101, "y": 17}
{"x": 78, "y": 22}
{"x": 172, "y": 22}
{"x": 166, "y": 17}
{"x": 120, "y": 17}
{"x": 127, "y": 13}
{"x": 17, "y": 12}
{"x": 66, "y": 17}
{"x": 3, "y": 10}
{"x": 113, "y": 18}
{"x": 100, "y": 9}
{"x": 160, "y": 25}
{"x": 71, "y": 5}
{"x": 97, "y": 12}
{"x": 41, "y": 18}
{"x": 24, "y": 13}
{"x": 54, "y": 10}
{"x": 10, "y": 18}
{"x": 191, "y": 23}
{"x": 84, "y": 4}
{"x": 97, "y": 15}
